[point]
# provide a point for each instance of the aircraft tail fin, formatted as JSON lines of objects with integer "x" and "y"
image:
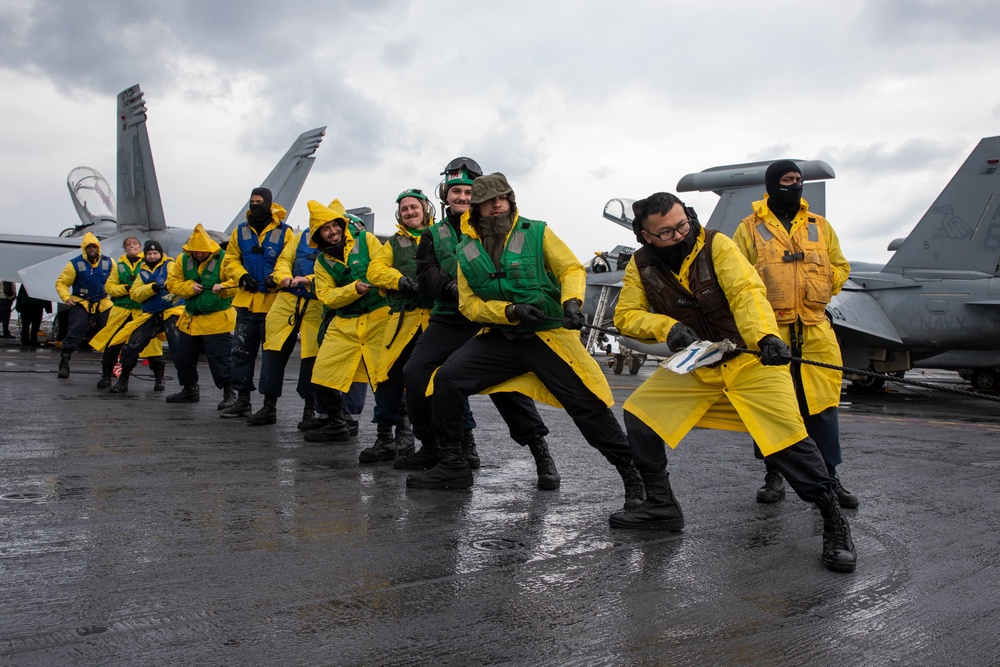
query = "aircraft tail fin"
{"x": 961, "y": 229}
{"x": 139, "y": 206}
{"x": 286, "y": 179}
{"x": 739, "y": 185}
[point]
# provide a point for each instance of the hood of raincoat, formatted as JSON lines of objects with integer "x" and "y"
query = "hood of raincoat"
{"x": 200, "y": 241}
{"x": 319, "y": 215}
{"x": 89, "y": 239}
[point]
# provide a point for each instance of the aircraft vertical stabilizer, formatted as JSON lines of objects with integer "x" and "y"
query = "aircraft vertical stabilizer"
{"x": 286, "y": 179}
{"x": 139, "y": 205}
{"x": 961, "y": 230}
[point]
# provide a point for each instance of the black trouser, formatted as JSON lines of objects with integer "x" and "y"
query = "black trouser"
{"x": 305, "y": 388}
{"x": 492, "y": 358}
{"x": 248, "y": 336}
{"x": 272, "y": 365}
{"x": 81, "y": 324}
{"x": 389, "y": 393}
{"x": 436, "y": 344}
{"x": 144, "y": 333}
{"x": 5, "y": 308}
{"x": 800, "y": 464}
{"x": 31, "y": 322}
{"x": 217, "y": 348}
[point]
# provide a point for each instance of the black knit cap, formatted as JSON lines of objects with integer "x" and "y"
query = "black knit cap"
{"x": 265, "y": 193}
{"x": 152, "y": 245}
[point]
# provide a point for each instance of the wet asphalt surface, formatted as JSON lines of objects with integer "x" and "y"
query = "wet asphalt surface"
{"x": 139, "y": 533}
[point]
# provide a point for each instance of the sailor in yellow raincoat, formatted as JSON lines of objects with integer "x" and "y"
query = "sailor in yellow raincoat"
{"x": 394, "y": 271}
{"x": 124, "y": 309}
{"x": 683, "y": 285}
{"x": 798, "y": 256}
{"x": 158, "y": 314}
{"x": 81, "y": 286}
{"x": 207, "y": 321}
{"x": 252, "y": 252}
{"x": 520, "y": 280}
{"x": 353, "y": 339}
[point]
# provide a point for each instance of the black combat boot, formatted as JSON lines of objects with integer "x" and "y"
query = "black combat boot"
{"x": 469, "y": 450}
{"x": 424, "y": 458}
{"x": 228, "y": 397}
{"x": 774, "y": 485}
{"x": 241, "y": 408}
{"x": 660, "y": 511}
{"x": 335, "y": 430}
{"x": 310, "y": 422}
{"x": 451, "y": 472}
{"x": 64, "y": 364}
{"x": 846, "y": 499}
{"x": 107, "y": 372}
{"x": 189, "y": 394}
{"x": 838, "y": 547}
{"x": 404, "y": 436}
{"x": 353, "y": 424}
{"x": 635, "y": 490}
{"x": 159, "y": 367}
{"x": 548, "y": 476}
{"x": 267, "y": 414}
{"x": 121, "y": 387}
{"x": 384, "y": 448}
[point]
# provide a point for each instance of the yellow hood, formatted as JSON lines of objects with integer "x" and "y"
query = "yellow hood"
{"x": 200, "y": 241}
{"x": 319, "y": 215}
{"x": 89, "y": 239}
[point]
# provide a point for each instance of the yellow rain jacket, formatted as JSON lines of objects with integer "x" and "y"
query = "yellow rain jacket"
{"x": 64, "y": 283}
{"x": 403, "y": 326}
{"x": 208, "y": 324}
{"x": 255, "y": 302}
{"x": 799, "y": 291}
{"x": 572, "y": 279}
{"x": 141, "y": 292}
{"x": 280, "y": 321}
{"x": 119, "y": 317}
{"x": 739, "y": 394}
{"x": 351, "y": 345}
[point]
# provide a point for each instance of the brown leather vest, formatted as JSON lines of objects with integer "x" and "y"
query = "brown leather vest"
{"x": 704, "y": 308}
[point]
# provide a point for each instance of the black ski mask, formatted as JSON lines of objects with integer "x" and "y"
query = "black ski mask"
{"x": 783, "y": 200}
{"x": 260, "y": 214}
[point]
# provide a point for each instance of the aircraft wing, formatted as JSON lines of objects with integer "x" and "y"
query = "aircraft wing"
{"x": 40, "y": 278}
{"x": 860, "y": 320}
{"x": 286, "y": 179}
{"x": 18, "y": 252}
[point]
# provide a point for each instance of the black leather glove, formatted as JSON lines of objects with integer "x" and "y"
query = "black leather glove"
{"x": 157, "y": 287}
{"x": 407, "y": 285}
{"x": 572, "y": 317}
{"x": 451, "y": 289}
{"x": 774, "y": 351}
{"x": 680, "y": 336}
{"x": 248, "y": 283}
{"x": 271, "y": 283}
{"x": 526, "y": 313}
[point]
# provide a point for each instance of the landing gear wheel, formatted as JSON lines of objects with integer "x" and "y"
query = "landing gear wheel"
{"x": 868, "y": 384}
{"x": 619, "y": 364}
{"x": 984, "y": 379}
{"x": 636, "y": 363}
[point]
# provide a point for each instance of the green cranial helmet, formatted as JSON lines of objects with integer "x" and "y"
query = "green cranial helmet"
{"x": 416, "y": 193}
{"x": 460, "y": 171}
{"x": 412, "y": 192}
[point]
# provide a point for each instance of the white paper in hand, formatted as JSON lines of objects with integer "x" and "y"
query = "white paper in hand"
{"x": 696, "y": 355}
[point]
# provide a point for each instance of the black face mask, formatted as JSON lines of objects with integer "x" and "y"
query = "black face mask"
{"x": 785, "y": 199}
{"x": 673, "y": 256}
{"x": 260, "y": 214}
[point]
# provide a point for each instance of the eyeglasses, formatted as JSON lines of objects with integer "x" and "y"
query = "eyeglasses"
{"x": 668, "y": 234}
{"x": 467, "y": 163}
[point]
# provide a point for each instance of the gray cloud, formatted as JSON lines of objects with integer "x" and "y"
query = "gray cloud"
{"x": 912, "y": 155}
{"x": 932, "y": 21}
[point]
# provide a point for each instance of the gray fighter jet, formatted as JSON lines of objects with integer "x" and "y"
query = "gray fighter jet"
{"x": 37, "y": 260}
{"x": 935, "y": 303}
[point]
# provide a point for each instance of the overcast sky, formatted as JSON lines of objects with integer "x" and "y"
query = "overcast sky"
{"x": 577, "y": 102}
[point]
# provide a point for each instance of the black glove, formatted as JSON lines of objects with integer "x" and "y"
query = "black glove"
{"x": 572, "y": 317}
{"x": 157, "y": 287}
{"x": 526, "y": 313}
{"x": 774, "y": 351}
{"x": 248, "y": 283}
{"x": 407, "y": 285}
{"x": 680, "y": 336}
{"x": 451, "y": 289}
{"x": 271, "y": 283}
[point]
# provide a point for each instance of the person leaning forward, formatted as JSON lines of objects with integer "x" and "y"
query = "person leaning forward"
{"x": 207, "y": 321}
{"x": 81, "y": 287}
{"x": 743, "y": 392}
{"x": 798, "y": 256}
{"x": 520, "y": 280}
